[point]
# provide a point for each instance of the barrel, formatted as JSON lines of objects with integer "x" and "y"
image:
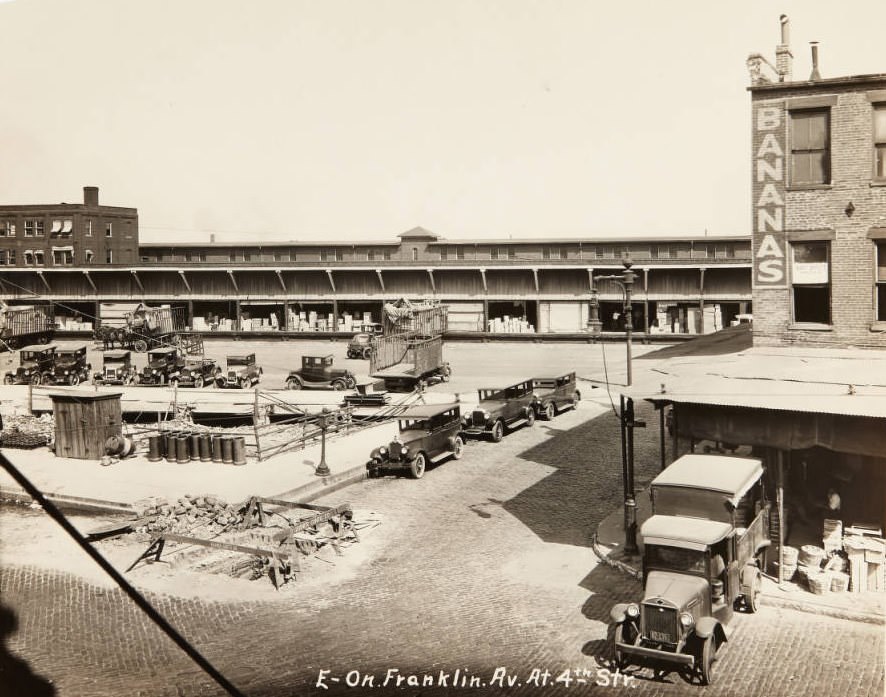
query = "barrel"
{"x": 155, "y": 448}
{"x": 227, "y": 449}
{"x": 195, "y": 446}
{"x": 205, "y": 447}
{"x": 119, "y": 446}
{"x": 171, "y": 446}
{"x": 238, "y": 450}
{"x": 216, "y": 448}
{"x": 181, "y": 449}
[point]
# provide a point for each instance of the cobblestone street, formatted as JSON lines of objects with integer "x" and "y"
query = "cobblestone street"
{"x": 483, "y": 564}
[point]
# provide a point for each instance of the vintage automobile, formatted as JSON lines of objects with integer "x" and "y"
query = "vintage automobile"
{"x": 163, "y": 366}
{"x": 70, "y": 367}
{"x": 196, "y": 372}
{"x": 427, "y": 434}
{"x": 704, "y": 549}
{"x": 554, "y": 394}
{"x": 501, "y": 409}
{"x": 241, "y": 372}
{"x": 360, "y": 345}
{"x": 317, "y": 373}
{"x": 117, "y": 369}
{"x": 35, "y": 366}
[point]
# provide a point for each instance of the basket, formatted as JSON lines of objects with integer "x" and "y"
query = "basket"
{"x": 819, "y": 583}
{"x": 789, "y": 570}
{"x": 789, "y": 555}
{"x": 810, "y": 555}
{"x": 839, "y": 582}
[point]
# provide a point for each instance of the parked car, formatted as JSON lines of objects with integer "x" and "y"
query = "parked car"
{"x": 704, "y": 549}
{"x": 163, "y": 366}
{"x": 35, "y": 366}
{"x": 317, "y": 373}
{"x": 500, "y": 409}
{"x": 70, "y": 367}
{"x": 427, "y": 434}
{"x": 117, "y": 369}
{"x": 241, "y": 371}
{"x": 554, "y": 394}
{"x": 196, "y": 372}
{"x": 360, "y": 345}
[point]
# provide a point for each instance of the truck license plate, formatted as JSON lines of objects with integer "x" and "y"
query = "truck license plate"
{"x": 659, "y": 636}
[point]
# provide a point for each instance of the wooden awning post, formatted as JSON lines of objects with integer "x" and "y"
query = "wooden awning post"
{"x": 779, "y": 496}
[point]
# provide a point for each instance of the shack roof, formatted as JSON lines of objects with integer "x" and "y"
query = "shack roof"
{"x": 732, "y": 476}
{"x": 694, "y": 533}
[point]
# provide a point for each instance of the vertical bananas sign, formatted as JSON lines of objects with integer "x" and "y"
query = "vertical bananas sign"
{"x": 770, "y": 261}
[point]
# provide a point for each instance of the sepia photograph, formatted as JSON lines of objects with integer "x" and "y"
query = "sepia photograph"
{"x": 442, "y": 348}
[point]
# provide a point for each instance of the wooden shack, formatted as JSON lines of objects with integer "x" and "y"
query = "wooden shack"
{"x": 84, "y": 421}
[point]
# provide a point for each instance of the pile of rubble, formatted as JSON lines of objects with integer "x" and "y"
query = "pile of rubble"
{"x": 209, "y": 513}
{"x": 26, "y": 431}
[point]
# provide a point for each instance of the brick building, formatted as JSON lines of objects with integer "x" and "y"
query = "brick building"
{"x": 68, "y": 234}
{"x": 819, "y": 205}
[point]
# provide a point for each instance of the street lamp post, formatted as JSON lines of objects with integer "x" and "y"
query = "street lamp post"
{"x": 626, "y": 281}
{"x": 323, "y": 422}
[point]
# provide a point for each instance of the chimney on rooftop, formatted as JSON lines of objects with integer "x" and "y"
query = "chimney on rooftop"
{"x": 90, "y": 195}
{"x": 815, "y": 74}
{"x": 783, "y": 57}
{"x": 211, "y": 238}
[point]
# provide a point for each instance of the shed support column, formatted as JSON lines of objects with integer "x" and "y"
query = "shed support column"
{"x": 190, "y": 315}
{"x": 646, "y": 303}
{"x": 779, "y": 498}
{"x": 675, "y": 453}
{"x": 334, "y": 315}
{"x": 485, "y": 327}
{"x": 237, "y": 315}
{"x": 284, "y": 325}
{"x": 96, "y": 314}
{"x": 661, "y": 435}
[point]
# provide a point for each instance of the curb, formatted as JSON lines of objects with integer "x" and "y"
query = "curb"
{"x": 767, "y": 598}
{"x": 325, "y": 485}
{"x": 66, "y": 502}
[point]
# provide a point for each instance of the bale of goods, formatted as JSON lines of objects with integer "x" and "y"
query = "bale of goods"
{"x": 839, "y": 582}
{"x": 819, "y": 583}
{"x": 787, "y": 570}
{"x": 789, "y": 555}
{"x": 811, "y": 556}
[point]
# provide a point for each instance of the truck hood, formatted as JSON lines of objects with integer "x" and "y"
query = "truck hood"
{"x": 674, "y": 587}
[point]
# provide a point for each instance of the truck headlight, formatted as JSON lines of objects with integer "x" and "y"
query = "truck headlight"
{"x": 686, "y": 621}
{"x": 633, "y": 611}
{"x": 486, "y": 415}
{"x": 382, "y": 451}
{"x": 405, "y": 449}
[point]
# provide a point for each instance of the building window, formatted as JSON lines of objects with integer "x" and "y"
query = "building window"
{"x": 109, "y": 229}
{"x": 62, "y": 257}
{"x": 603, "y": 252}
{"x": 663, "y": 252}
{"x": 414, "y": 254}
{"x": 810, "y": 147}
{"x": 88, "y": 232}
{"x": 550, "y": 253}
{"x": 33, "y": 228}
{"x": 810, "y": 282}
{"x": 195, "y": 256}
{"x": 880, "y": 141}
{"x": 38, "y": 258}
{"x": 247, "y": 256}
{"x": 881, "y": 281}
{"x": 281, "y": 256}
{"x": 109, "y": 257}
{"x": 7, "y": 229}
{"x": 459, "y": 252}
{"x": 328, "y": 255}
{"x": 4, "y": 260}
{"x": 443, "y": 254}
{"x": 90, "y": 256}
{"x": 11, "y": 257}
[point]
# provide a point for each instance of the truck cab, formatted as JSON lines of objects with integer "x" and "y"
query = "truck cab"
{"x": 704, "y": 551}
{"x": 318, "y": 373}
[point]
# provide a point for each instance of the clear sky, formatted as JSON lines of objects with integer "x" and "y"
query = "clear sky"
{"x": 360, "y": 119}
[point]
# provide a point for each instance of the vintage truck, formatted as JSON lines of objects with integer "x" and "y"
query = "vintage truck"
{"x": 500, "y": 409}
{"x": 35, "y": 366}
{"x": 317, "y": 373}
{"x": 241, "y": 371}
{"x": 70, "y": 367}
{"x": 704, "y": 549}
{"x": 554, "y": 394}
{"x": 117, "y": 369}
{"x": 427, "y": 434}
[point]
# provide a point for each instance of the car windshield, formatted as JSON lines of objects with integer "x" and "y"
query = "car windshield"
{"x": 674, "y": 559}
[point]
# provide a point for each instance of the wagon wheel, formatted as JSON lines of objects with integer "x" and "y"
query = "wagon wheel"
{"x": 752, "y": 600}
{"x": 139, "y": 345}
{"x": 199, "y": 381}
{"x": 549, "y": 411}
{"x": 417, "y": 466}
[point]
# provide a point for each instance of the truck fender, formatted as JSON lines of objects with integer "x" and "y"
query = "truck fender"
{"x": 709, "y": 626}
{"x": 617, "y": 613}
{"x": 761, "y": 545}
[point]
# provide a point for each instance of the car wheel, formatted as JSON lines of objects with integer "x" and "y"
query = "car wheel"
{"x": 293, "y": 384}
{"x": 74, "y": 380}
{"x": 752, "y": 601}
{"x": 44, "y": 339}
{"x": 417, "y": 466}
{"x": 498, "y": 431}
{"x": 625, "y": 633}
{"x": 458, "y": 448}
{"x": 173, "y": 383}
{"x": 549, "y": 411}
{"x": 245, "y": 383}
{"x": 367, "y": 352}
{"x": 198, "y": 381}
{"x": 8, "y": 379}
{"x": 706, "y": 660}
{"x": 338, "y": 385}
{"x": 530, "y": 417}
{"x": 576, "y": 398}
{"x": 140, "y": 346}
{"x": 36, "y": 379}
{"x": 131, "y": 380}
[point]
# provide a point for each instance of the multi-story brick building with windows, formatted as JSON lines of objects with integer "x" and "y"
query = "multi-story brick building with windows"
{"x": 819, "y": 205}
{"x": 68, "y": 234}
